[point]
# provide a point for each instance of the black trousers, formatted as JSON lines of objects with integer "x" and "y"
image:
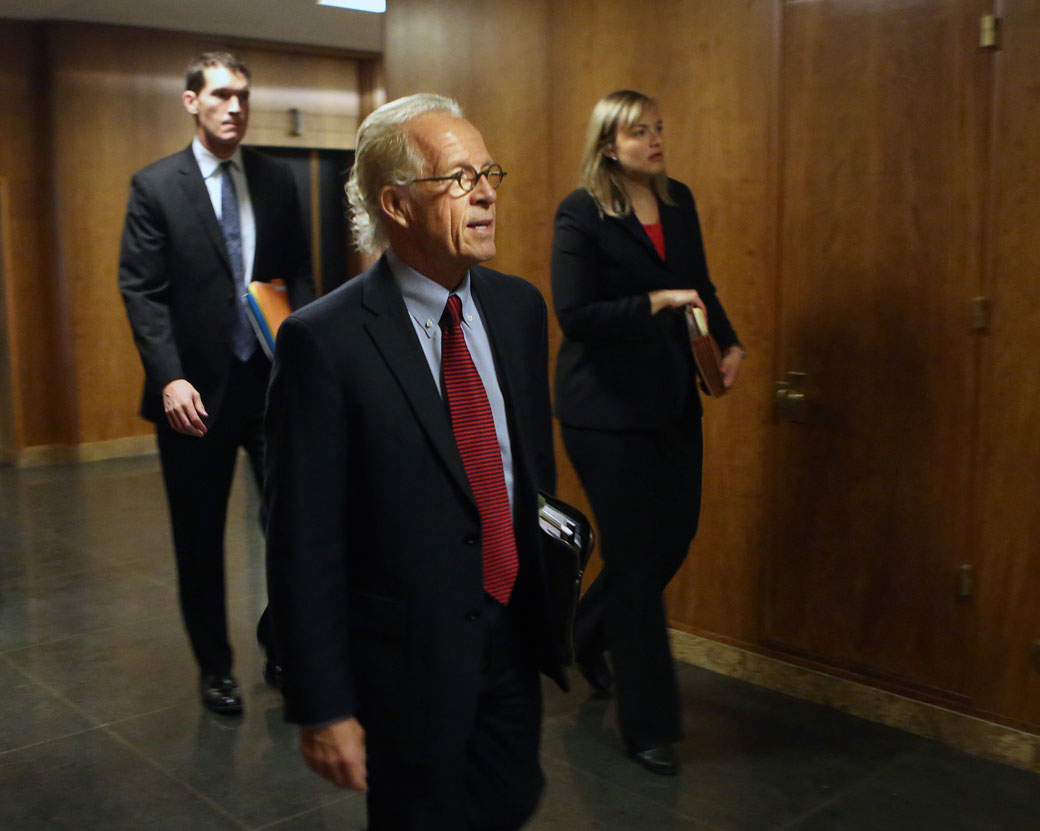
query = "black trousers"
{"x": 645, "y": 491}
{"x": 198, "y": 473}
{"x": 490, "y": 778}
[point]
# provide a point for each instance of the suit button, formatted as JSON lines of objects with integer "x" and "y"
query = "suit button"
{"x": 472, "y": 615}
{"x": 471, "y": 539}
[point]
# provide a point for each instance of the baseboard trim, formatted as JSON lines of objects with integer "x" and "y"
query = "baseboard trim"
{"x": 95, "y": 451}
{"x": 965, "y": 732}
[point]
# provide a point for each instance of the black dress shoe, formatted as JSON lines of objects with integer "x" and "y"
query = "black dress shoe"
{"x": 220, "y": 693}
{"x": 272, "y": 669}
{"x": 596, "y": 670}
{"x": 661, "y": 760}
{"x": 273, "y": 675}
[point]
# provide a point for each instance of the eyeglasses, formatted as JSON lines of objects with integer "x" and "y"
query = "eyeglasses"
{"x": 467, "y": 177}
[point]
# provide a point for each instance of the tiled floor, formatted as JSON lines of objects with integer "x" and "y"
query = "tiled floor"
{"x": 100, "y": 727}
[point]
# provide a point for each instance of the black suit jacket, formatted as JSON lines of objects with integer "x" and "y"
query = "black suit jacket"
{"x": 620, "y": 367}
{"x": 374, "y": 559}
{"x": 175, "y": 274}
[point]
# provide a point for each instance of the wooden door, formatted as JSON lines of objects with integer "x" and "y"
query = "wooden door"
{"x": 883, "y": 138}
{"x": 1006, "y": 664}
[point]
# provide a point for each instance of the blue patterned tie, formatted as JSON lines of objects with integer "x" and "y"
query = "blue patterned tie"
{"x": 243, "y": 342}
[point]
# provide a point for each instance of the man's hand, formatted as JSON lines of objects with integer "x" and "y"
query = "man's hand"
{"x": 675, "y": 299}
{"x": 337, "y": 753}
{"x": 183, "y": 407}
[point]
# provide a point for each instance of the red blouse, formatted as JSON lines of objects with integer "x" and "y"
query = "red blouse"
{"x": 656, "y": 234}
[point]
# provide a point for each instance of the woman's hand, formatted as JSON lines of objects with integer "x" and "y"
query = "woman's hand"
{"x": 675, "y": 299}
{"x": 731, "y": 364}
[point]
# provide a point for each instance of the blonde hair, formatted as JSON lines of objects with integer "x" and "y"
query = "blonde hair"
{"x": 601, "y": 175}
{"x": 384, "y": 155}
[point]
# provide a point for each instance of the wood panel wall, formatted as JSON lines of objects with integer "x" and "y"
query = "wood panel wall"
{"x": 34, "y": 381}
{"x": 7, "y": 440}
{"x": 1005, "y": 650}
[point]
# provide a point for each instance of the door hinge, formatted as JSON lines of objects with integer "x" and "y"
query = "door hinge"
{"x": 980, "y": 307}
{"x": 989, "y": 32}
{"x": 965, "y": 580}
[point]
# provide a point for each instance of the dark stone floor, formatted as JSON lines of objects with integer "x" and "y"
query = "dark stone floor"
{"x": 100, "y": 727}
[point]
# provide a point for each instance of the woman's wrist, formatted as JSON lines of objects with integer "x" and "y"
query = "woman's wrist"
{"x": 737, "y": 347}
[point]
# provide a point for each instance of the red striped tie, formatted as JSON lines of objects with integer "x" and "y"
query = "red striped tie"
{"x": 474, "y": 428}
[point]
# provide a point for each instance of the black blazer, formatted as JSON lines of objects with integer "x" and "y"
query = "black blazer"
{"x": 175, "y": 274}
{"x": 620, "y": 367}
{"x": 374, "y": 563}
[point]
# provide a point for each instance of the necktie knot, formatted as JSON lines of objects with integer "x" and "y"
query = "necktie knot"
{"x": 452, "y": 315}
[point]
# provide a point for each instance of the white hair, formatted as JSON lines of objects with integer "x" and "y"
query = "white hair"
{"x": 384, "y": 155}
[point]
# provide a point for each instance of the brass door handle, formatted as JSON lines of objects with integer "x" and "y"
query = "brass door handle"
{"x": 790, "y": 399}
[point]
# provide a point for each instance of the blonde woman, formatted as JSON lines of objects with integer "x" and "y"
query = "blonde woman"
{"x": 627, "y": 261}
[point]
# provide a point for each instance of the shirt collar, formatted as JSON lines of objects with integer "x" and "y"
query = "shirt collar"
{"x": 208, "y": 163}
{"x": 426, "y": 299}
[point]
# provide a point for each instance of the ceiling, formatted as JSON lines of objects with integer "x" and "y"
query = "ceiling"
{"x": 285, "y": 21}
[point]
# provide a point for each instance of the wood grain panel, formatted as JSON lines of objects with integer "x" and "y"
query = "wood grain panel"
{"x": 116, "y": 107}
{"x": 712, "y": 67}
{"x": 7, "y": 390}
{"x": 491, "y": 58}
{"x": 39, "y": 405}
{"x": 883, "y": 139}
{"x": 1003, "y": 679}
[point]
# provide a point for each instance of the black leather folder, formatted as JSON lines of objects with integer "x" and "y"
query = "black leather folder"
{"x": 568, "y": 541}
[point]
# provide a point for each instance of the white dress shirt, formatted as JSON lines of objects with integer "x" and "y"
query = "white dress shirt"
{"x": 209, "y": 166}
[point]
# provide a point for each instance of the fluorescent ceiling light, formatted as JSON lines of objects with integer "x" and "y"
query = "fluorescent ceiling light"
{"x": 359, "y": 5}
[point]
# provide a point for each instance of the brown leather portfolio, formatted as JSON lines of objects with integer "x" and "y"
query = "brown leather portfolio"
{"x": 705, "y": 352}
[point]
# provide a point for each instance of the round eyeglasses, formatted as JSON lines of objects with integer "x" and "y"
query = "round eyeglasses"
{"x": 467, "y": 178}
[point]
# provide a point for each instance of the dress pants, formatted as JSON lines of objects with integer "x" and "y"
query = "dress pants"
{"x": 198, "y": 474}
{"x": 490, "y": 777}
{"x": 645, "y": 491}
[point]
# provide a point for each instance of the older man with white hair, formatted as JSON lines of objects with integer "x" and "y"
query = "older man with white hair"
{"x": 408, "y": 432}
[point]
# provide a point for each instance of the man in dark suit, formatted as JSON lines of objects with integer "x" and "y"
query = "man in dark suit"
{"x": 404, "y": 556}
{"x": 200, "y": 225}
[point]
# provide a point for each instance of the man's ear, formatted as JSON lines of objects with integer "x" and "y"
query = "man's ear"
{"x": 394, "y": 202}
{"x": 191, "y": 101}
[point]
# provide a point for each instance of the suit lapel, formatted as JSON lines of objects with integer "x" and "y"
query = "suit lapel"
{"x": 674, "y": 241}
{"x": 631, "y": 223}
{"x": 394, "y": 336}
{"x": 198, "y": 198}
